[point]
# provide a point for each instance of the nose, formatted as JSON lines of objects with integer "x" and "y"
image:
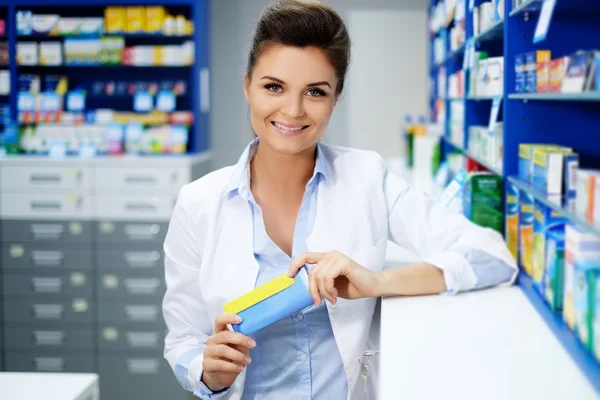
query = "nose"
{"x": 294, "y": 106}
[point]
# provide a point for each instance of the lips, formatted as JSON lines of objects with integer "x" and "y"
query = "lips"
{"x": 289, "y": 129}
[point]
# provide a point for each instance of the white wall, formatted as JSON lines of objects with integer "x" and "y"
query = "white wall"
{"x": 388, "y": 76}
{"x": 232, "y": 23}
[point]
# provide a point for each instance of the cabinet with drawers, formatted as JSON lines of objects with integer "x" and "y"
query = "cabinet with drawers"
{"x": 82, "y": 272}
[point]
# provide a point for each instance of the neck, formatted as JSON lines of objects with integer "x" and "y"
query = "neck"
{"x": 278, "y": 172}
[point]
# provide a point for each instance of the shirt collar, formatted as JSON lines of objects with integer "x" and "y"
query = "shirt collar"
{"x": 239, "y": 182}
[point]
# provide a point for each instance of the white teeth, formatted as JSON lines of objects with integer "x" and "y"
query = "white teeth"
{"x": 287, "y": 128}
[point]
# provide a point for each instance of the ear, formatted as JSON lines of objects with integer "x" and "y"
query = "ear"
{"x": 247, "y": 87}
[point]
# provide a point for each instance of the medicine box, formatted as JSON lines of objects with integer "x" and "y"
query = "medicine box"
{"x": 50, "y": 53}
{"x": 548, "y": 167}
{"x": 558, "y": 68}
{"x": 483, "y": 200}
{"x": 584, "y": 296}
{"x": 155, "y": 17}
{"x": 520, "y": 73}
{"x": 587, "y": 203}
{"x": 596, "y": 317}
{"x": 512, "y": 219}
{"x": 543, "y": 77}
{"x": 531, "y": 62}
{"x": 577, "y": 78}
{"x": 526, "y": 218}
{"x": 583, "y": 248}
{"x": 115, "y": 19}
{"x": 27, "y": 53}
{"x": 136, "y": 19}
{"x": 553, "y": 281}
{"x": 45, "y": 24}
{"x": 526, "y": 158}
{"x": 545, "y": 219}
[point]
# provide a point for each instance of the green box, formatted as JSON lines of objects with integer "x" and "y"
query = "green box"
{"x": 483, "y": 200}
{"x": 584, "y": 298}
{"x": 553, "y": 282}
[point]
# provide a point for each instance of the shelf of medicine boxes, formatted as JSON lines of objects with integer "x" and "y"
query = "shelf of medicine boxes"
{"x": 494, "y": 32}
{"x": 196, "y": 75}
{"x": 470, "y": 155}
{"x": 585, "y": 96}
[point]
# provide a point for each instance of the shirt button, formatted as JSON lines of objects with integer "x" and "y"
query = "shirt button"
{"x": 300, "y": 316}
{"x": 303, "y": 357}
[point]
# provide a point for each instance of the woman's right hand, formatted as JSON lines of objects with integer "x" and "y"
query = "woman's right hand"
{"x": 225, "y": 355}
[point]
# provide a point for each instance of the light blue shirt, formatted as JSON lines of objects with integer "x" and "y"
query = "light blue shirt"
{"x": 297, "y": 357}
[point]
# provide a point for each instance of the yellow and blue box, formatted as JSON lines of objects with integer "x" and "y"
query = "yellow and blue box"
{"x": 271, "y": 302}
{"x": 585, "y": 291}
{"x": 545, "y": 219}
{"x": 526, "y": 217}
{"x": 553, "y": 282}
{"x": 511, "y": 225}
{"x": 525, "y": 168}
{"x": 552, "y": 171}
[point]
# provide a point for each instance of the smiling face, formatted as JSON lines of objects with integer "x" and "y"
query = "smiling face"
{"x": 292, "y": 93}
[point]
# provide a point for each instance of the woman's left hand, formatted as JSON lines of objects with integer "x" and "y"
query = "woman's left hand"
{"x": 335, "y": 275}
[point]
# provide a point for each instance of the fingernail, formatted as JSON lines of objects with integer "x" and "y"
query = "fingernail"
{"x": 240, "y": 368}
{"x": 247, "y": 360}
{"x": 251, "y": 343}
{"x": 238, "y": 320}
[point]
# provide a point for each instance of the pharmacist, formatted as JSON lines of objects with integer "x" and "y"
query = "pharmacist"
{"x": 291, "y": 201}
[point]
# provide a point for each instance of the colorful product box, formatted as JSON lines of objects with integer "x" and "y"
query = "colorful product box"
{"x": 578, "y": 76}
{"x": 596, "y": 318}
{"x": 584, "y": 296}
{"x": 532, "y": 59}
{"x": 581, "y": 248}
{"x": 548, "y": 168}
{"x": 136, "y": 20}
{"x": 483, "y": 200}
{"x": 543, "y": 77}
{"x": 558, "y": 68}
{"x": 553, "y": 281}
{"x": 512, "y": 218}
{"x": 115, "y": 19}
{"x": 545, "y": 220}
{"x": 526, "y": 158}
{"x": 155, "y": 17}
{"x": 587, "y": 203}
{"x": 526, "y": 218}
{"x": 597, "y": 66}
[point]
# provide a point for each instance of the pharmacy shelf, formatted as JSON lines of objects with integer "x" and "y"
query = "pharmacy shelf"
{"x": 494, "y": 32}
{"x": 582, "y": 357}
{"x": 556, "y": 204}
{"x": 527, "y": 6}
{"x": 482, "y": 98}
{"x": 587, "y": 96}
{"x": 484, "y": 164}
{"x": 455, "y": 145}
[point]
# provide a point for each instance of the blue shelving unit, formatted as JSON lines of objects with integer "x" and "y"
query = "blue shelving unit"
{"x": 561, "y": 118}
{"x": 196, "y": 75}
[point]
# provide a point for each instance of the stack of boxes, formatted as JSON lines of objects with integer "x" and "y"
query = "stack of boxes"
{"x": 483, "y": 200}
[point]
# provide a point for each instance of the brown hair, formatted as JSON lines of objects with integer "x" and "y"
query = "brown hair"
{"x": 303, "y": 23}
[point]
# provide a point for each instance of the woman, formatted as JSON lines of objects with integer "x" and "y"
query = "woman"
{"x": 292, "y": 201}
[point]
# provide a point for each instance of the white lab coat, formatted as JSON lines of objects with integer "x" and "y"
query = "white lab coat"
{"x": 209, "y": 257}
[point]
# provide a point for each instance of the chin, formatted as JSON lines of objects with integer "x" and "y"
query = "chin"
{"x": 290, "y": 146}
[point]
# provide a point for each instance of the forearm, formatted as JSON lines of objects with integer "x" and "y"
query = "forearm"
{"x": 411, "y": 280}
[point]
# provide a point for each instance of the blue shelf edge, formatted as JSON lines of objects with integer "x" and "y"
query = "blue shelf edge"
{"x": 483, "y": 98}
{"x": 556, "y": 207}
{"x": 530, "y": 5}
{"x": 491, "y": 32}
{"x": 584, "y": 96}
{"x": 580, "y": 355}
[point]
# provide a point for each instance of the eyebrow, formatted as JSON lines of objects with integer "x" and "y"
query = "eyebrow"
{"x": 321, "y": 83}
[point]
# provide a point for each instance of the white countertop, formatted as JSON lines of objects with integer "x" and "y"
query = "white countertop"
{"x": 48, "y": 386}
{"x": 482, "y": 345}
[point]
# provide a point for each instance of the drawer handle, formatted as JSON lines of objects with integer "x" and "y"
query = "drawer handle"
{"x": 48, "y": 311}
{"x": 53, "y": 364}
{"x": 48, "y": 338}
{"x": 141, "y": 313}
{"x": 45, "y": 178}
{"x": 142, "y": 231}
{"x": 142, "y": 366}
{"x": 47, "y": 258}
{"x": 143, "y": 339}
{"x": 47, "y": 285}
{"x": 140, "y": 206}
{"x": 46, "y": 205}
{"x": 142, "y": 179}
{"x": 142, "y": 286}
{"x": 142, "y": 259}
{"x": 47, "y": 231}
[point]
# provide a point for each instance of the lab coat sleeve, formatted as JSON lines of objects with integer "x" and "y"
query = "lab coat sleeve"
{"x": 470, "y": 256}
{"x": 187, "y": 321}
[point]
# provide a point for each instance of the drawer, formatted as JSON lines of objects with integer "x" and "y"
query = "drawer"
{"x": 131, "y": 179}
{"x": 63, "y": 177}
{"x": 36, "y": 257}
{"x": 137, "y": 284}
{"x": 120, "y": 338}
{"x": 47, "y": 231}
{"x": 72, "y": 284}
{"x": 124, "y": 233}
{"x": 148, "y": 378}
{"x": 49, "y": 361}
{"x": 139, "y": 257}
{"x": 78, "y": 309}
{"x": 131, "y": 311}
{"x": 57, "y": 206}
{"x": 136, "y": 207}
{"x": 48, "y": 337}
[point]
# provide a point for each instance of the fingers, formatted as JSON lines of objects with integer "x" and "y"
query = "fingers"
{"x": 221, "y": 351}
{"x": 212, "y": 365}
{"x": 223, "y": 320}
{"x": 302, "y": 260}
{"x": 231, "y": 338}
{"x": 324, "y": 277}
